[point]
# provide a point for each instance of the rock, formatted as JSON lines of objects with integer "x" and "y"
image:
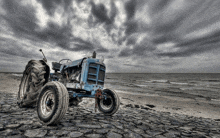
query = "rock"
{"x": 75, "y": 134}
{"x": 6, "y": 132}
{"x": 88, "y": 126}
{"x": 6, "y": 106}
{"x": 69, "y": 128}
{"x": 24, "y": 127}
{"x": 153, "y": 133}
{"x": 137, "y": 106}
{"x": 216, "y": 136}
{"x": 28, "y": 122}
{"x": 129, "y": 105}
{"x": 13, "y": 126}
{"x": 145, "y": 108}
{"x": 86, "y": 131}
{"x": 1, "y": 127}
{"x": 150, "y": 105}
{"x": 160, "y": 136}
{"x": 139, "y": 131}
{"x": 107, "y": 126}
{"x": 102, "y": 131}
{"x": 134, "y": 135}
{"x": 186, "y": 128}
{"x": 35, "y": 133}
{"x": 51, "y": 137}
{"x": 61, "y": 132}
{"x": 113, "y": 135}
{"x": 94, "y": 135}
{"x": 119, "y": 126}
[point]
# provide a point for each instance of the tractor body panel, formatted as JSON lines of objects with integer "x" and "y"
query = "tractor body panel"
{"x": 85, "y": 74}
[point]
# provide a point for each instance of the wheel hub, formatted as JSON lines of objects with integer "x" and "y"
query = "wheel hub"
{"x": 47, "y": 103}
{"x": 106, "y": 103}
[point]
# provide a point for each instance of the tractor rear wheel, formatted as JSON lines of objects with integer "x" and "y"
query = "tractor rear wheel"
{"x": 34, "y": 77}
{"x": 52, "y": 103}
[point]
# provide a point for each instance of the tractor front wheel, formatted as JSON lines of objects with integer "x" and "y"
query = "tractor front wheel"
{"x": 110, "y": 102}
{"x": 52, "y": 103}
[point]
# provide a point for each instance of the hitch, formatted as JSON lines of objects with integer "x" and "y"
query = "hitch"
{"x": 98, "y": 95}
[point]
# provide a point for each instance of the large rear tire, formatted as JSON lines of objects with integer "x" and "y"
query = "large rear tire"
{"x": 110, "y": 104}
{"x": 34, "y": 77}
{"x": 52, "y": 103}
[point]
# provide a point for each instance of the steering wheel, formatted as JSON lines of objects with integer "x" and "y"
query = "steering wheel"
{"x": 67, "y": 60}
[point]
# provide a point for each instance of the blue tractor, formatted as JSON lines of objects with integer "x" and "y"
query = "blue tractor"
{"x": 70, "y": 82}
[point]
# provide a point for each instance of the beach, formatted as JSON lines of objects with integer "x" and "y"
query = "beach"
{"x": 144, "y": 111}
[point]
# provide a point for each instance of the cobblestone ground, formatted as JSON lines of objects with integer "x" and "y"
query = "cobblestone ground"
{"x": 81, "y": 121}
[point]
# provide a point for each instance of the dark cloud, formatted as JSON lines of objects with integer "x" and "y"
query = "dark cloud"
{"x": 131, "y": 24}
{"x": 168, "y": 26}
{"x": 54, "y": 33}
{"x": 196, "y": 46}
{"x": 140, "y": 49}
{"x": 101, "y": 13}
{"x": 158, "y": 5}
{"x": 51, "y": 5}
{"x": 21, "y": 19}
{"x": 23, "y": 22}
{"x": 83, "y": 45}
{"x": 130, "y": 8}
{"x": 125, "y": 52}
{"x": 131, "y": 27}
{"x": 13, "y": 48}
{"x": 131, "y": 41}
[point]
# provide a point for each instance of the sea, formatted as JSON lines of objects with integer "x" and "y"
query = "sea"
{"x": 186, "y": 85}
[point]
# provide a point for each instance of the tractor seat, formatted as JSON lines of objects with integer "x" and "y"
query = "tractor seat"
{"x": 56, "y": 66}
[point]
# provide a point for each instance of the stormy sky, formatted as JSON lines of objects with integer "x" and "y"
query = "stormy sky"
{"x": 152, "y": 36}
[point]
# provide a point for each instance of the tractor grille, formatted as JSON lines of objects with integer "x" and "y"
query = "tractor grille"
{"x": 96, "y": 74}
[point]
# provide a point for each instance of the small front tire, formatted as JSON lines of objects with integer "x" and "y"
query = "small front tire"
{"x": 110, "y": 104}
{"x": 52, "y": 103}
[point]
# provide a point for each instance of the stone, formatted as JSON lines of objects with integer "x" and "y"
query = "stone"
{"x": 6, "y": 106}
{"x": 113, "y": 135}
{"x": 134, "y": 135}
{"x": 170, "y": 135}
{"x": 94, "y": 135}
{"x": 51, "y": 137}
{"x": 102, "y": 131}
{"x": 139, "y": 131}
{"x": 13, "y": 126}
{"x": 69, "y": 128}
{"x": 1, "y": 127}
{"x": 160, "y": 136}
{"x": 28, "y": 122}
{"x": 137, "y": 106}
{"x": 86, "y": 131}
{"x": 75, "y": 134}
{"x": 88, "y": 126}
{"x": 107, "y": 126}
{"x": 153, "y": 133}
{"x": 35, "y": 133}
{"x": 119, "y": 126}
{"x": 6, "y": 132}
{"x": 61, "y": 132}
